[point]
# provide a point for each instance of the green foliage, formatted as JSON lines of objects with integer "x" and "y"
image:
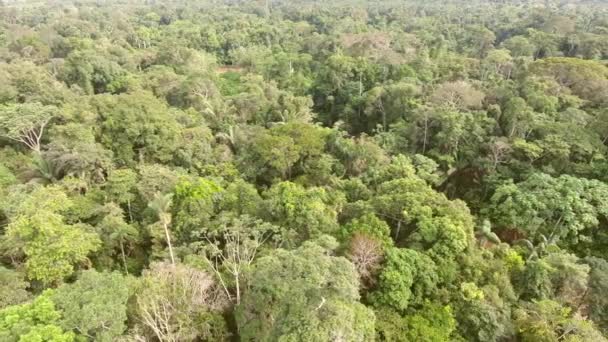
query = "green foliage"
{"x": 482, "y": 314}
{"x": 564, "y": 208}
{"x": 52, "y": 247}
{"x": 596, "y": 302}
{"x": 314, "y": 297}
{"x": 431, "y": 323}
{"x": 368, "y": 224}
{"x": 94, "y": 306}
{"x": 35, "y": 321}
{"x": 337, "y": 171}
{"x": 547, "y": 320}
{"x": 309, "y": 213}
{"x": 283, "y": 151}
{"x": 194, "y": 205}
{"x": 6, "y": 177}
{"x": 136, "y": 127}
{"x": 13, "y": 288}
{"x": 407, "y": 277}
{"x": 587, "y": 79}
{"x": 116, "y": 234}
{"x": 121, "y": 184}
{"x": 429, "y": 220}
{"x": 25, "y": 123}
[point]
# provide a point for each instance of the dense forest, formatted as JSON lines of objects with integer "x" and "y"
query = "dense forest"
{"x": 303, "y": 170}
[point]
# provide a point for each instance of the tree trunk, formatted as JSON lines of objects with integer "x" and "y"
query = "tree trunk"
{"x": 124, "y": 258}
{"x": 398, "y": 231}
{"x": 426, "y": 128}
{"x": 360, "y": 84}
{"x": 168, "y": 237}
{"x": 238, "y": 289}
{"x": 130, "y": 210}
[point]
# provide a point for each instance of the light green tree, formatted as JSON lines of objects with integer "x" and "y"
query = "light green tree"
{"x": 52, "y": 247}
{"x": 34, "y": 321}
{"x": 26, "y": 123}
{"x": 407, "y": 277}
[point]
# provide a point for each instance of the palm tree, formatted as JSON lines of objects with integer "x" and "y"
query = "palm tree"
{"x": 537, "y": 251}
{"x": 484, "y": 233}
{"x": 45, "y": 171}
{"x": 227, "y": 138}
{"x": 161, "y": 204}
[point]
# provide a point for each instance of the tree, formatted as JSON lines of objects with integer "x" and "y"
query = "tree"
{"x": 93, "y": 72}
{"x": 563, "y": 209}
{"x": 366, "y": 254}
{"x": 518, "y": 119}
{"x": 116, "y": 233}
{"x": 95, "y": 305}
{"x": 34, "y": 321}
{"x": 233, "y": 248}
{"x": 483, "y": 314}
{"x": 366, "y": 238}
{"x": 27, "y": 82}
{"x": 557, "y": 275}
{"x": 498, "y": 62}
{"x": 283, "y": 152}
{"x": 306, "y": 213}
{"x": 385, "y": 105}
{"x": 459, "y": 94}
{"x": 120, "y": 187}
{"x": 423, "y": 218}
{"x": 484, "y": 233}
{"x": 242, "y": 198}
{"x": 547, "y": 320}
{"x": 431, "y": 323}
{"x": 195, "y": 204}
{"x": 407, "y": 277}
{"x": 180, "y": 303}
{"x": 277, "y": 154}
{"x": 594, "y": 303}
{"x": 13, "y": 288}
{"x": 26, "y": 123}
{"x": 161, "y": 205}
{"x": 136, "y": 127}
{"x": 304, "y": 294}
{"x": 587, "y": 79}
{"x": 7, "y": 178}
{"x": 52, "y": 247}
{"x": 155, "y": 178}
{"x": 519, "y": 46}
{"x": 370, "y": 225}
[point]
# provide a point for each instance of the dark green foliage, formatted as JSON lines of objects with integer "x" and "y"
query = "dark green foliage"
{"x": 305, "y": 294}
{"x": 95, "y": 305}
{"x": 406, "y": 278}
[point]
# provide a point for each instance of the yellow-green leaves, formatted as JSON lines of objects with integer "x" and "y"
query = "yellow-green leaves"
{"x": 51, "y": 246}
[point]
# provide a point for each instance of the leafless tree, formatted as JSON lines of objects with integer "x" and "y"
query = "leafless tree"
{"x": 499, "y": 152}
{"x": 366, "y": 254}
{"x": 238, "y": 252}
{"x": 171, "y": 298}
{"x": 459, "y": 94}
